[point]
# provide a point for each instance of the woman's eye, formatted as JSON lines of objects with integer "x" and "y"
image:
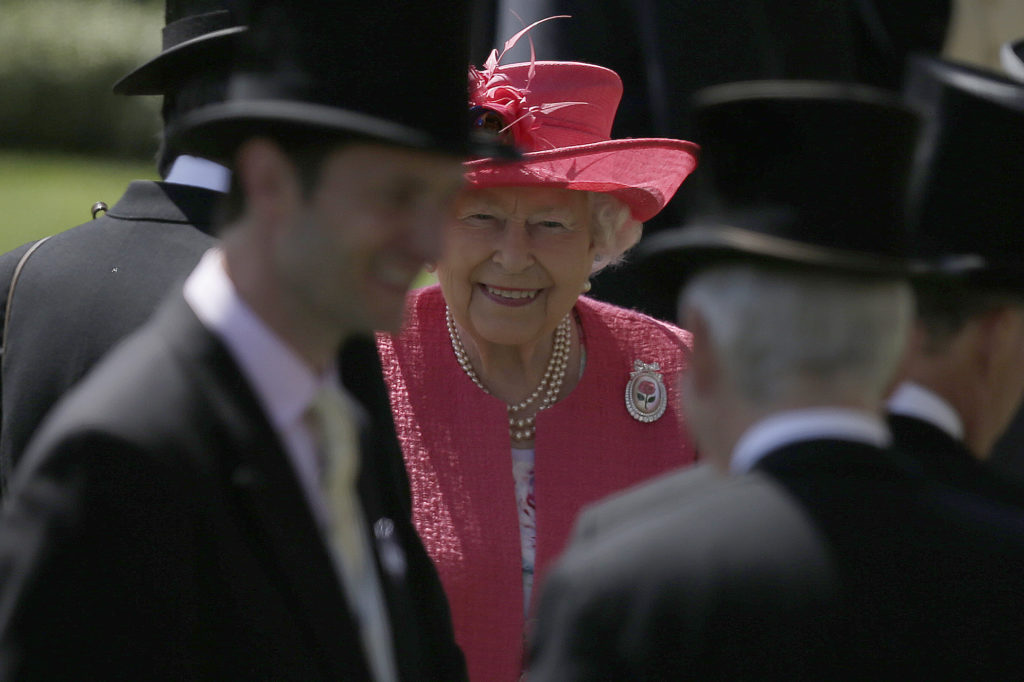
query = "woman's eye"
{"x": 552, "y": 224}
{"x": 478, "y": 219}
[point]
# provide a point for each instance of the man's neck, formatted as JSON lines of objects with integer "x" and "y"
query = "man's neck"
{"x": 256, "y": 285}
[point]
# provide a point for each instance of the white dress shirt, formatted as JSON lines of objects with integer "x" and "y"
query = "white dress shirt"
{"x": 795, "y": 426}
{"x": 192, "y": 170}
{"x": 285, "y": 387}
{"x": 283, "y": 383}
{"x": 914, "y": 400}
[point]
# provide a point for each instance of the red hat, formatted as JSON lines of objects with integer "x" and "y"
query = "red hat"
{"x": 559, "y": 114}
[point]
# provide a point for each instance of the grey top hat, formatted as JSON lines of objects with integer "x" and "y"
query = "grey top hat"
{"x": 795, "y": 174}
{"x": 199, "y": 35}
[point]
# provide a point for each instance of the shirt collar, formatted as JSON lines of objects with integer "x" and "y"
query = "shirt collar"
{"x": 914, "y": 400}
{"x": 793, "y": 426}
{"x": 284, "y": 384}
{"x": 192, "y": 170}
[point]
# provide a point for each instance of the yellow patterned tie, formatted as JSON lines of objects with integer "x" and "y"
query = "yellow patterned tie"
{"x": 340, "y": 471}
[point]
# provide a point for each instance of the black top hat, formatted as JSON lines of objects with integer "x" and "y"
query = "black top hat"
{"x": 966, "y": 206}
{"x": 795, "y": 173}
{"x": 1012, "y": 57}
{"x": 198, "y": 34}
{"x": 375, "y": 70}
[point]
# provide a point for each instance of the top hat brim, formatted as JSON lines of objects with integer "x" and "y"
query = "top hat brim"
{"x": 1012, "y": 57}
{"x": 216, "y": 131}
{"x": 157, "y": 76}
{"x": 671, "y": 257}
{"x": 643, "y": 173}
{"x": 973, "y": 270}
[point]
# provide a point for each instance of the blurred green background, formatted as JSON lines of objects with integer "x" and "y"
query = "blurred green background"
{"x": 66, "y": 141}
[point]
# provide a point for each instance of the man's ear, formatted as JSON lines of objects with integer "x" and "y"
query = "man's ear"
{"x": 268, "y": 179}
{"x": 703, "y": 364}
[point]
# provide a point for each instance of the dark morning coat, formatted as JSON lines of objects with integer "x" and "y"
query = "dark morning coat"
{"x": 84, "y": 290}
{"x": 156, "y": 531}
{"x": 830, "y": 560}
{"x": 948, "y": 460}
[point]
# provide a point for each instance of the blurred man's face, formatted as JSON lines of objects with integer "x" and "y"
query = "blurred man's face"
{"x": 370, "y": 223}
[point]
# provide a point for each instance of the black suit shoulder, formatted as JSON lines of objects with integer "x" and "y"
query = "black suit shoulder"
{"x": 937, "y": 563}
{"x": 948, "y": 460}
{"x": 85, "y": 289}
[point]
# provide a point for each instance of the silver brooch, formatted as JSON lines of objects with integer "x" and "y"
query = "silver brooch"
{"x": 646, "y": 398}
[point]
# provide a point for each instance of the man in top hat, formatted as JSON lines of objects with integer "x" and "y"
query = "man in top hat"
{"x": 70, "y": 298}
{"x": 817, "y": 553}
{"x": 208, "y": 503}
{"x": 965, "y": 378}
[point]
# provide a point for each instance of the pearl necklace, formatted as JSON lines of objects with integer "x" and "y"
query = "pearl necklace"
{"x": 524, "y": 428}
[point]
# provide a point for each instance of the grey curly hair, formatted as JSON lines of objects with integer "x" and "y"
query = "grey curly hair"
{"x": 790, "y": 334}
{"x": 613, "y": 227}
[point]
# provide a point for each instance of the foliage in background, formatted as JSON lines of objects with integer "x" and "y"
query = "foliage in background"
{"x": 58, "y": 62}
{"x": 42, "y": 194}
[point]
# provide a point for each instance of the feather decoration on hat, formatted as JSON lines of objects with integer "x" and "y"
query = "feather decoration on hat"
{"x": 490, "y": 90}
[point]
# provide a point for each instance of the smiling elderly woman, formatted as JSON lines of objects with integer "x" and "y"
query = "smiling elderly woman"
{"x": 518, "y": 401}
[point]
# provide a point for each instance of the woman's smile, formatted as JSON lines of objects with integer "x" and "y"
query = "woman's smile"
{"x": 508, "y": 296}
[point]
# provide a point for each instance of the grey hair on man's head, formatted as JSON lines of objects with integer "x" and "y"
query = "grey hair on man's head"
{"x": 786, "y": 335}
{"x": 614, "y": 229}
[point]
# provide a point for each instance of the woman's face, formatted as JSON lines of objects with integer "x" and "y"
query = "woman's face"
{"x": 514, "y": 261}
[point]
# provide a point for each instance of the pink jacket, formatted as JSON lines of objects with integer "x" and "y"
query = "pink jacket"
{"x": 457, "y": 451}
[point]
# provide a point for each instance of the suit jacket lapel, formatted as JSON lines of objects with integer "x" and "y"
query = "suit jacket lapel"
{"x": 386, "y": 499}
{"x": 255, "y": 468}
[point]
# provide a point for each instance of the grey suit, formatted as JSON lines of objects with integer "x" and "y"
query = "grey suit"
{"x": 626, "y": 507}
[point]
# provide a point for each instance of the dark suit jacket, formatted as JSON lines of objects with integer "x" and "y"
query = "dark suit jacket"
{"x": 1007, "y": 455}
{"x": 156, "y": 530}
{"x": 830, "y": 560}
{"x": 948, "y": 460}
{"x": 84, "y": 290}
